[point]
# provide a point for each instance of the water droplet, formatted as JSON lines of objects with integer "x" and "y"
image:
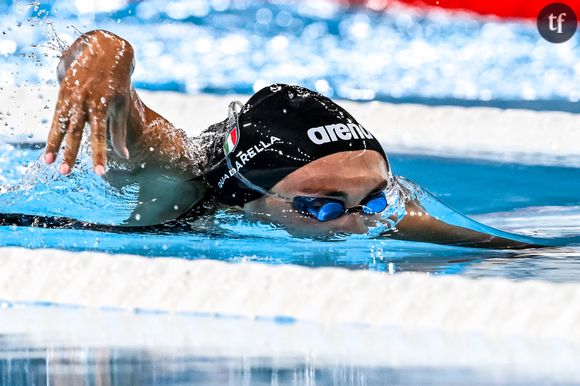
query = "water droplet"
{"x": 264, "y": 16}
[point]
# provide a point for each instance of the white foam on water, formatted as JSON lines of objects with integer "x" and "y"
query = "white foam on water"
{"x": 522, "y": 136}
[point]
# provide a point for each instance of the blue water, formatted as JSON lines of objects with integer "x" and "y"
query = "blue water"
{"x": 166, "y": 350}
{"x": 239, "y": 46}
{"x": 355, "y": 53}
{"x": 56, "y": 365}
{"x": 499, "y": 190}
{"x": 223, "y": 46}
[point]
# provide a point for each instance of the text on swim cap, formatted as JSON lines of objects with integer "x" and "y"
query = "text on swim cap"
{"x": 337, "y": 132}
{"x": 243, "y": 157}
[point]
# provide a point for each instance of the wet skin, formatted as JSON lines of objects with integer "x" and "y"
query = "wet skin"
{"x": 347, "y": 176}
{"x": 351, "y": 177}
{"x": 132, "y": 144}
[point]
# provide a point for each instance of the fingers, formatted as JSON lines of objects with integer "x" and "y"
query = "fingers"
{"x": 57, "y": 131}
{"x": 70, "y": 120}
{"x": 97, "y": 120}
{"x": 73, "y": 139}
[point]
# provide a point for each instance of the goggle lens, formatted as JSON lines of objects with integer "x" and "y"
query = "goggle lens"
{"x": 330, "y": 211}
{"x": 326, "y": 209}
{"x": 375, "y": 204}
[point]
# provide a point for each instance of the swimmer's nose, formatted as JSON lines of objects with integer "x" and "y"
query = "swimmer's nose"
{"x": 351, "y": 223}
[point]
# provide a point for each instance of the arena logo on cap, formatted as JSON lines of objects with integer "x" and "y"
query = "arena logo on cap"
{"x": 232, "y": 140}
{"x": 337, "y": 132}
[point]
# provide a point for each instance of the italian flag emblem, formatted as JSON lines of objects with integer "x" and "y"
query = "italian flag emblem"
{"x": 231, "y": 140}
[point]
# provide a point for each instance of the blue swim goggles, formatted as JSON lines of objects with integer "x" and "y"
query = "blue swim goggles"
{"x": 326, "y": 209}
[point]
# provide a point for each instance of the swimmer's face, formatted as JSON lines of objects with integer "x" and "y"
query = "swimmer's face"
{"x": 349, "y": 176}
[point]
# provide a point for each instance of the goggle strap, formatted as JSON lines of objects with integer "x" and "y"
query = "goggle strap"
{"x": 234, "y": 110}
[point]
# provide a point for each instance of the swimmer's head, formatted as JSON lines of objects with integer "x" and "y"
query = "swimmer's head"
{"x": 348, "y": 177}
{"x": 285, "y": 131}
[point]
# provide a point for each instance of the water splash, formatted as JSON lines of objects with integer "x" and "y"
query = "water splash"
{"x": 81, "y": 195}
{"x": 348, "y": 53}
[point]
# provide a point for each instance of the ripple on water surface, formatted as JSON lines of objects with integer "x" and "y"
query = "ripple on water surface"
{"x": 37, "y": 189}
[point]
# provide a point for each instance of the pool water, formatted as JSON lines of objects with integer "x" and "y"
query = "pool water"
{"x": 172, "y": 350}
{"x": 222, "y": 46}
{"x": 532, "y": 200}
{"x": 68, "y": 366}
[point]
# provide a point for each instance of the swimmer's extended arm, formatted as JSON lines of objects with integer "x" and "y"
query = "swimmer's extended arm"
{"x": 418, "y": 225}
{"x": 141, "y": 146}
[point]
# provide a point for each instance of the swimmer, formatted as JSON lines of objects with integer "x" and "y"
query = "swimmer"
{"x": 289, "y": 156}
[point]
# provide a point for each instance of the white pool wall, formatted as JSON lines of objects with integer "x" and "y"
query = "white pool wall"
{"x": 45, "y": 329}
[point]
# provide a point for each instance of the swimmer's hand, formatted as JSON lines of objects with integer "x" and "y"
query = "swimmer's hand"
{"x": 95, "y": 88}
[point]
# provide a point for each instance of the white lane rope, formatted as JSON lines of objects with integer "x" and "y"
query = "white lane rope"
{"x": 329, "y": 296}
{"x": 531, "y": 137}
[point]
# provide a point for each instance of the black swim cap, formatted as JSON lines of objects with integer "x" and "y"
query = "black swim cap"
{"x": 280, "y": 129}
